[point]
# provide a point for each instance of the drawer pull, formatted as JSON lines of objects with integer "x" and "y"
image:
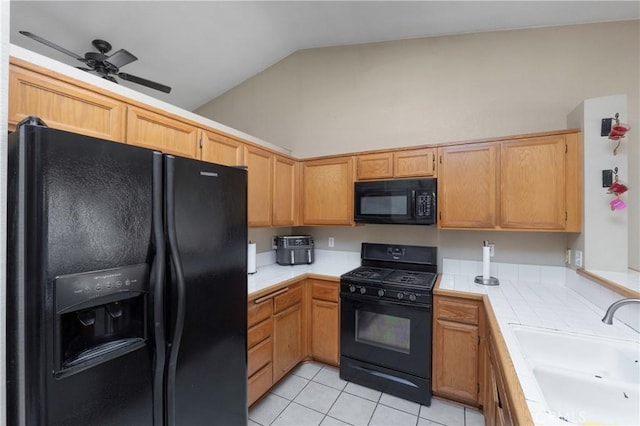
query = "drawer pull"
{"x": 270, "y": 295}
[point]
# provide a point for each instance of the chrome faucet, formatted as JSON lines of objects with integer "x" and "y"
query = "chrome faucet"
{"x": 608, "y": 317}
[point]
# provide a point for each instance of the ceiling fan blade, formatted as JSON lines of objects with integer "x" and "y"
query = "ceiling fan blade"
{"x": 84, "y": 69}
{"x": 120, "y": 58}
{"x": 144, "y": 82}
{"x": 52, "y": 45}
{"x": 108, "y": 77}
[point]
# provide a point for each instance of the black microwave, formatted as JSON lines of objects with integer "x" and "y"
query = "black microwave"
{"x": 407, "y": 201}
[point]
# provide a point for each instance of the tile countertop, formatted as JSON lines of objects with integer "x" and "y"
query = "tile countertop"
{"x": 329, "y": 263}
{"x": 533, "y": 296}
{"x": 629, "y": 279}
{"x": 528, "y": 295}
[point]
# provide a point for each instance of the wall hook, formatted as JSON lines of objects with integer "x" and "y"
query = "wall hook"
{"x": 618, "y": 132}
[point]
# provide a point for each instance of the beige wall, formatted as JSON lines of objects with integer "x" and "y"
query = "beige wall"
{"x": 423, "y": 91}
{"x": 510, "y": 247}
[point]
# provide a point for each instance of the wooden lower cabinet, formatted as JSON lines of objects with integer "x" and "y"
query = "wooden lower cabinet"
{"x": 497, "y": 407}
{"x": 456, "y": 349}
{"x": 259, "y": 348}
{"x": 287, "y": 340}
{"x": 289, "y": 325}
{"x": 325, "y": 321}
{"x": 275, "y": 338}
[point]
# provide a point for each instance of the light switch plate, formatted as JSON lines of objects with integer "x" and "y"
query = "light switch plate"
{"x": 578, "y": 258}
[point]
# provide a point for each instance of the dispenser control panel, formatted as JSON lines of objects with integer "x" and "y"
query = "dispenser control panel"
{"x": 76, "y": 289}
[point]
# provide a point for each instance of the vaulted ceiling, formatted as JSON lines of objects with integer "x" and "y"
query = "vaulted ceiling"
{"x": 204, "y": 48}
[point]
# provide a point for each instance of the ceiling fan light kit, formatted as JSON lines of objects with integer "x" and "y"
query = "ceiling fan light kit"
{"x": 104, "y": 65}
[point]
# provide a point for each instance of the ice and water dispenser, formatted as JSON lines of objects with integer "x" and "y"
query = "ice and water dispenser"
{"x": 99, "y": 316}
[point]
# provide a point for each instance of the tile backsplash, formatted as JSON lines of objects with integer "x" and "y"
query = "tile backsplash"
{"x": 507, "y": 271}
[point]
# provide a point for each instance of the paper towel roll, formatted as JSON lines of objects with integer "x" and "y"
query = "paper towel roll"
{"x": 486, "y": 266}
{"x": 251, "y": 258}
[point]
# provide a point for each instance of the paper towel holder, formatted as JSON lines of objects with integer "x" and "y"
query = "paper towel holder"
{"x": 480, "y": 279}
{"x": 489, "y": 281}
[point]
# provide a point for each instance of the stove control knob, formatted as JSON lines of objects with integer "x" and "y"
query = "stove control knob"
{"x": 363, "y": 290}
{"x": 400, "y": 295}
{"x": 352, "y": 288}
{"x": 381, "y": 292}
{"x": 412, "y": 297}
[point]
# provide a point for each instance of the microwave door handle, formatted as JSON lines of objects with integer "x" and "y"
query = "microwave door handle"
{"x": 413, "y": 203}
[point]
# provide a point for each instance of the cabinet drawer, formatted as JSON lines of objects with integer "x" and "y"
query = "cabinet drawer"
{"x": 259, "y": 383}
{"x": 259, "y": 332}
{"x": 325, "y": 291}
{"x": 259, "y": 356}
{"x": 259, "y": 312}
{"x": 290, "y": 298}
{"x": 458, "y": 311}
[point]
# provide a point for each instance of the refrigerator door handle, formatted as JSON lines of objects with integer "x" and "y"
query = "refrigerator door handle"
{"x": 158, "y": 283}
{"x": 180, "y": 288}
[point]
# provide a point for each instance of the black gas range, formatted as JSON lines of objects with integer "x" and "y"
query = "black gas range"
{"x": 385, "y": 328}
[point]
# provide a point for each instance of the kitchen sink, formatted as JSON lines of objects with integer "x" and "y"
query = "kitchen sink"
{"x": 584, "y": 379}
{"x": 580, "y": 398}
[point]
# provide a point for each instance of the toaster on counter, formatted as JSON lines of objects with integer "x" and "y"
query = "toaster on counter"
{"x": 294, "y": 249}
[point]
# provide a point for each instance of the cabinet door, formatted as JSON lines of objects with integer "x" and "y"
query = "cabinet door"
{"x": 374, "y": 166}
{"x": 221, "y": 149}
{"x": 456, "y": 361}
{"x": 63, "y": 106}
{"x": 284, "y": 192}
{"x": 414, "y": 163}
{"x": 328, "y": 191}
{"x": 156, "y": 131}
{"x": 325, "y": 331}
{"x": 467, "y": 186}
{"x": 288, "y": 340}
{"x": 259, "y": 191}
{"x": 532, "y": 183}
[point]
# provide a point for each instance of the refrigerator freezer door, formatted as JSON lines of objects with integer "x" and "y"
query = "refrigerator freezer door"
{"x": 76, "y": 204}
{"x": 207, "y": 215}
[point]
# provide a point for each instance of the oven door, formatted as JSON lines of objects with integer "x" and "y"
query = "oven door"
{"x": 389, "y": 334}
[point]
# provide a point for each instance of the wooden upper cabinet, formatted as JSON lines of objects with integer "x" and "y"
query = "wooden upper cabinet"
{"x": 532, "y": 183}
{"x": 219, "y": 149}
{"x": 284, "y": 192}
{"x": 156, "y": 131}
{"x": 63, "y": 106}
{"x": 398, "y": 164}
{"x": 467, "y": 186}
{"x": 327, "y": 191}
{"x": 259, "y": 190}
{"x": 374, "y": 166}
{"x": 414, "y": 163}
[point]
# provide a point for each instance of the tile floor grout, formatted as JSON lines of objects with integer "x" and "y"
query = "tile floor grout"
{"x": 343, "y": 390}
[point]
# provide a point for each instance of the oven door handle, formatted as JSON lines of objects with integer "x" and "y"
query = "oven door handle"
{"x": 357, "y": 300}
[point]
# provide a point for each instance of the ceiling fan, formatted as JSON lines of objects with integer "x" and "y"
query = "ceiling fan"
{"x": 103, "y": 65}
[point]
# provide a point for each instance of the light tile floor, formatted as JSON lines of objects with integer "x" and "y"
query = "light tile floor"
{"x": 314, "y": 394}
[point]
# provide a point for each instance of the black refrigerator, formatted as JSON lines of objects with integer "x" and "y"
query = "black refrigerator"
{"x": 126, "y": 285}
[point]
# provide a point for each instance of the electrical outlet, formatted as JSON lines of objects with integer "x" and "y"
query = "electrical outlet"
{"x": 578, "y": 258}
{"x": 492, "y": 250}
{"x": 274, "y": 243}
{"x": 567, "y": 257}
{"x": 332, "y": 242}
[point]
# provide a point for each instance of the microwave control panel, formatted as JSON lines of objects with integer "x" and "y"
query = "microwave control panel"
{"x": 423, "y": 205}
